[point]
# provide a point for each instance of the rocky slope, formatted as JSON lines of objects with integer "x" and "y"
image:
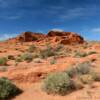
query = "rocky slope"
{"x": 52, "y": 36}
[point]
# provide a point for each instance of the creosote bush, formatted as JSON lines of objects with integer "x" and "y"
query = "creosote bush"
{"x": 83, "y": 68}
{"x": 27, "y": 57}
{"x": 3, "y": 61}
{"x": 7, "y": 89}
{"x": 32, "y": 48}
{"x": 48, "y": 52}
{"x": 73, "y": 79}
{"x": 79, "y": 69}
{"x": 80, "y": 54}
{"x": 58, "y": 83}
{"x": 87, "y": 78}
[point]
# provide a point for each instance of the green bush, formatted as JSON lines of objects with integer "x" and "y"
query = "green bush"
{"x": 3, "y": 61}
{"x": 83, "y": 68}
{"x": 7, "y": 89}
{"x": 86, "y": 79}
{"x": 80, "y": 54}
{"x": 32, "y": 48}
{"x": 59, "y": 47}
{"x": 48, "y": 52}
{"x": 53, "y": 61}
{"x": 27, "y": 57}
{"x": 3, "y": 68}
{"x": 72, "y": 72}
{"x": 79, "y": 69}
{"x": 92, "y": 52}
{"x": 95, "y": 75}
{"x": 58, "y": 83}
{"x": 18, "y": 59}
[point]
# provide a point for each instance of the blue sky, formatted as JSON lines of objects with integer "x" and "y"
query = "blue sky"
{"x": 81, "y": 16}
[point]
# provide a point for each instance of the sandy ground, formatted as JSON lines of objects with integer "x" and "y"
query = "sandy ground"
{"x": 28, "y": 76}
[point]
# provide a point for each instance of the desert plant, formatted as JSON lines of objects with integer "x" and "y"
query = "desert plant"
{"x": 86, "y": 79}
{"x": 80, "y": 54}
{"x": 27, "y": 57}
{"x": 3, "y": 61}
{"x": 72, "y": 72}
{"x": 3, "y": 68}
{"x": 7, "y": 89}
{"x": 95, "y": 75}
{"x": 59, "y": 47}
{"x": 53, "y": 61}
{"x": 31, "y": 48}
{"x": 58, "y": 83}
{"x": 92, "y": 52}
{"x": 83, "y": 68}
{"x": 18, "y": 59}
{"x": 47, "y": 52}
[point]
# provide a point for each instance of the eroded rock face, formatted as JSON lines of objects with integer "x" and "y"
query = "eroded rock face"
{"x": 52, "y": 37}
{"x": 29, "y": 36}
{"x": 67, "y": 37}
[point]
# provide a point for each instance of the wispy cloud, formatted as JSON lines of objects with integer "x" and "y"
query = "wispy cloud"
{"x": 57, "y": 29}
{"x": 64, "y": 13}
{"x": 7, "y": 36}
{"x": 96, "y": 30}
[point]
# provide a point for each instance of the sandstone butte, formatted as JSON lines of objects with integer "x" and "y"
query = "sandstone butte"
{"x": 51, "y": 36}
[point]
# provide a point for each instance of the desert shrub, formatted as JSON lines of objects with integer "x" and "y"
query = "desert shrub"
{"x": 38, "y": 60}
{"x": 83, "y": 68}
{"x": 95, "y": 75}
{"x": 72, "y": 72}
{"x": 18, "y": 59}
{"x": 3, "y": 61}
{"x": 27, "y": 57}
{"x": 79, "y": 69}
{"x": 59, "y": 47}
{"x": 7, "y": 89}
{"x": 32, "y": 48}
{"x": 3, "y": 68}
{"x": 11, "y": 57}
{"x": 78, "y": 84}
{"x": 48, "y": 52}
{"x": 87, "y": 78}
{"x": 58, "y": 83}
{"x": 53, "y": 61}
{"x": 92, "y": 52}
{"x": 80, "y": 54}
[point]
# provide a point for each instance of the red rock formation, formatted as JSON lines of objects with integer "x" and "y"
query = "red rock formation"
{"x": 52, "y": 36}
{"x": 30, "y": 36}
{"x": 66, "y": 37}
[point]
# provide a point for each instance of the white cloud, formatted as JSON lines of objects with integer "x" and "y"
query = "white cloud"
{"x": 56, "y": 29}
{"x": 96, "y": 30}
{"x": 6, "y": 36}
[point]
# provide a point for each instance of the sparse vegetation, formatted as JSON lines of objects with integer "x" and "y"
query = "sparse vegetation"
{"x": 53, "y": 61}
{"x": 7, "y": 89}
{"x": 11, "y": 57}
{"x": 31, "y": 48}
{"x": 80, "y": 54}
{"x": 74, "y": 78}
{"x": 86, "y": 79}
{"x": 58, "y": 83}
{"x": 27, "y": 57}
{"x": 92, "y": 52}
{"x": 83, "y": 68}
{"x": 18, "y": 59}
{"x": 47, "y": 52}
{"x": 71, "y": 72}
{"x": 3, "y": 61}
{"x": 3, "y": 68}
